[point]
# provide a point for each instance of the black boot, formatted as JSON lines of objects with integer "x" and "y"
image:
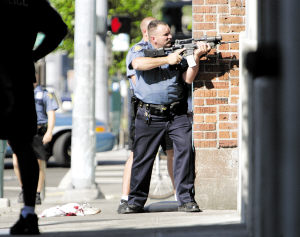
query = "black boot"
{"x": 26, "y": 226}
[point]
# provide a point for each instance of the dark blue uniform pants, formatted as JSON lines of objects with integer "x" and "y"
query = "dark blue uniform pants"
{"x": 147, "y": 140}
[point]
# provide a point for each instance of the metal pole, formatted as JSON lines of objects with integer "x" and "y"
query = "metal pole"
{"x": 102, "y": 111}
{"x": 2, "y": 154}
{"x": 83, "y": 129}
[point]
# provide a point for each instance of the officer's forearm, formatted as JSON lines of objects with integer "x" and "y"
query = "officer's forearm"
{"x": 51, "y": 120}
{"x": 147, "y": 63}
{"x": 191, "y": 72}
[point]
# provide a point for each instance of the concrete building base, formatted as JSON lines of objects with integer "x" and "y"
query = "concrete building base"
{"x": 216, "y": 183}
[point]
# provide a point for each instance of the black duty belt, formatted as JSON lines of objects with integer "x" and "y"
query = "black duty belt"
{"x": 177, "y": 107}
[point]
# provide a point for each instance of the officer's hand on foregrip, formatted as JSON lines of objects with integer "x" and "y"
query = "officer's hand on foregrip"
{"x": 202, "y": 48}
{"x": 175, "y": 58}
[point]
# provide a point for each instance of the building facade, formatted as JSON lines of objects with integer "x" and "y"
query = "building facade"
{"x": 216, "y": 101}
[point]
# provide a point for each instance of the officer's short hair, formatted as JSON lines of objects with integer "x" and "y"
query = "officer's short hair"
{"x": 153, "y": 25}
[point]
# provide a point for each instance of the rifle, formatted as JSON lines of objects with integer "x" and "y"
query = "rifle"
{"x": 188, "y": 44}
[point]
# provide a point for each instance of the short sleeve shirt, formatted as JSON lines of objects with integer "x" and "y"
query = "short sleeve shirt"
{"x": 44, "y": 102}
{"x": 134, "y": 49}
{"x": 161, "y": 85}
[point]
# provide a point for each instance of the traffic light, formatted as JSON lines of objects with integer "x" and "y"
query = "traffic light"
{"x": 120, "y": 24}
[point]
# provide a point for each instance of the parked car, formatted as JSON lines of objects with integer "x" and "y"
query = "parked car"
{"x": 60, "y": 146}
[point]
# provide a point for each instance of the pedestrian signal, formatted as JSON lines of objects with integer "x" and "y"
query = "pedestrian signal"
{"x": 120, "y": 24}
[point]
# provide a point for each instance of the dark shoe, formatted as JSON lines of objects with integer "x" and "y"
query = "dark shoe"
{"x": 189, "y": 207}
{"x": 131, "y": 209}
{"x": 26, "y": 226}
{"x": 20, "y": 197}
{"x": 38, "y": 200}
{"x": 122, "y": 206}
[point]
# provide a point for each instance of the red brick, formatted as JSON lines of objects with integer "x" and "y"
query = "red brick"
{"x": 204, "y": 26}
{"x": 224, "y": 76}
{"x": 210, "y": 118}
{"x": 198, "y": 102}
{"x": 204, "y": 127}
{"x": 228, "y": 108}
{"x": 198, "y": 135}
{"x": 223, "y": 117}
{"x": 224, "y": 28}
{"x": 223, "y": 9}
{"x": 221, "y": 85}
{"x": 198, "y": 2}
{"x": 234, "y": 73}
{"x": 234, "y": 82}
{"x": 210, "y": 135}
{"x": 198, "y": 17}
{"x": 237, "y": 11}
{"x": 205, "y": 93}
{"x": 205, "y": 144}
{"x": 228, "y": 143}
{"x": 214, "y": 2}
{"x": 205, "y": 110}
{"x": 237, "y": 28}
{"x": 237, "y": 3}
{"x": 217, "y": 101}
{"x": 234, "y": 46}
{"x": 234, "y": 135}
{"x": 198, "y": 118}
{"x": 228, "y": 125}
{"x": 204, "y": 9}
{"x": 230, "y": 37}
{"x": 234, "y": 117}
{"x": 224, "y": 134}
{"x": 223, "y": 93}
{"x": 234, "y": 100}
{"x": 234, "y": 91}
{"x": 210, "y": 18}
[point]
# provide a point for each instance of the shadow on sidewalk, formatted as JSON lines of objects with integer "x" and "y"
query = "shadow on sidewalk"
{"x": 230, "y": 230}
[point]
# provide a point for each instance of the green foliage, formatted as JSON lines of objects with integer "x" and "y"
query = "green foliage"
{"x": 66, "y": 8}
{"x": 136, "y": 10}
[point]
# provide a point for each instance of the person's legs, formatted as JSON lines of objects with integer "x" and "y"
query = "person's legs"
{"x": 128, "y": 164}
{"x": 18, "y": 175}
{"x": 126, "y": 177}
{"x": 180, "y": 132}
{"x": 147, "y": 140}
{"x": 16, "y": 168}
{"x": 170, "y": 157}
{"x": 41, "y": 182}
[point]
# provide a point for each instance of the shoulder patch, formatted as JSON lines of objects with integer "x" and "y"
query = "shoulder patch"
{"x": 137, "y": 48}
{"x": 50, "y": 95}
{"x": 39, "y": 95}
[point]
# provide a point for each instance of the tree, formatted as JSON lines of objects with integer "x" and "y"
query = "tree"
{"x": 67, "y": 10}
{"x": 135, "y": 9}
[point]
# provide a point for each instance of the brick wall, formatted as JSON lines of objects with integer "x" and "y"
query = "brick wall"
{"x": 216, "y": 97}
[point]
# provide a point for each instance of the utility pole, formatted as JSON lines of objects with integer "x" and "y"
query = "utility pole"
{"x": 83, "y": 128}
{"x": 102, "y": 111}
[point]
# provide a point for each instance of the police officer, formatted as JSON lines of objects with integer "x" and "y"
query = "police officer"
{"x": 45, "y": 105}
{"x": 20, "y": 21}
{"x": 163, "y": 109}
{"x": 167, "y": 144}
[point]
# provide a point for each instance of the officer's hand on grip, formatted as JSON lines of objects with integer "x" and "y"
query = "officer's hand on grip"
{"x": 202, "y": 48}
{"x": 175, "y": 58}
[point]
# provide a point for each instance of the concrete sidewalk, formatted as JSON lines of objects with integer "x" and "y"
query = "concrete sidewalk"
{"x": 225, "y": 223}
